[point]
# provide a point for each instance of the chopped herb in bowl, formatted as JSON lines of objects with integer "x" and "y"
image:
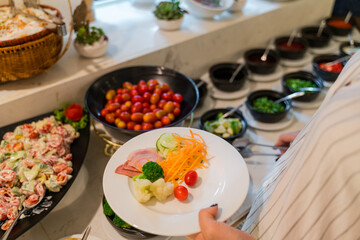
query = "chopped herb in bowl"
{"x": 296, "y": 84}
{"x": 266, "y": 105}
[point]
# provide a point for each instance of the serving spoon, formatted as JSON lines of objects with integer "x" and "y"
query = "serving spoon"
{"x": 27, "y": 208}
{"x": 321, "y": 28}
{"x": 291, "y": 38}
{"x": 247, "y": 152}
{"x": 290, "y": 96}
{"x": 245, "y": 142}
{"x": 241, "y": 65}
{"x": 266, "y": 52}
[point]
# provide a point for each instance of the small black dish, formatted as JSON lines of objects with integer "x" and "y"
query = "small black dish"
{"x": 296, "y": 50}
{"x": 310, "y": 34}
{"x": 267, "y": 117}
{"x": 203, "y": 91}
{"x": 345, "y": 48}
{"x": 334, "y": 24}
{"x": 323, "y": 74}
{"x": 128, "y": 233}
{"x": 221, "y": 73}
{"x": 309, "y": 96}
{"x": 211, "y": 115}
{"x": 256, "y": 65}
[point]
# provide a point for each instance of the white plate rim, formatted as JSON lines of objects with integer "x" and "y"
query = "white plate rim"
{"x": 229, "y": 201}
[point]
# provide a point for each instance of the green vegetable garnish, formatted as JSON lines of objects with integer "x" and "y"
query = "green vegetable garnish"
{"x": 263, "y": 104}
{"x": 77, "y": 125}
{"x": 89, "y": 36}
{"x": 226, "y": 127}
{"x": 152, "y": 171}
{"x": 140, "y": 176}
{"x": 107, "y": 209}
{"x": 169, "y": 10}
{"x": 296, "y": 84}
{"x": 120, "y": 223}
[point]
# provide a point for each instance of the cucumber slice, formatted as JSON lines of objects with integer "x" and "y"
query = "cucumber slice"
{"x": 165, "y": 143}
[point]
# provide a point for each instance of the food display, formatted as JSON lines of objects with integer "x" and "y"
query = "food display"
{"x": 159, "y": 173}
{"x": 335, "y": 67}
{"x": 142, "y": 106}
{"x": 224, "y": 127}
{"x": 294, "y": 46}
{"x": 266, "y": 105}
{"x": 34, "y": 157}
{"x": 296, "y": 84}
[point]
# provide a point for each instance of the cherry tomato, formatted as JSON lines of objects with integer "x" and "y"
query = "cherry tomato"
{"x": 137, "y": 127}
{"x": 118, "y": 98}
{"x": 191, "y": 178}
{"x": 74, "y": 112}
{"x": 154, "y": 99}
{"x": 152, "y": 86}
{"x": 177, "y": 97}
{"x": 143, "y": 88}
{"x": 125, "y": 97}
{"x": 169, "y": 107}
{"x": 177, "y": 105}
{"x": 165, "y": 87}
{"x": 166, "y": 96}
{"x": 135, "y": 87}
{"x": 110, "y": 94}
{"x": 136, "y": 107}
{"x": 124, "y": 107}
{"x": 125, "y": 116}
{"x": 137, "y": 98}
{"x": 160, "y": 113}
{"x": 136, "y": 117}
{"x": 130, "y": 125}
{"x": 121, "y": 124}
{"x": 127, "y": 85}
{"x": 110, "y": 117}
{"x": 165, "y": 120}
{"x": 119, "y": 90}
{"x": 113, "y": 106}
{"x": 146, "y": 126}
{"x": 134, "y": 92}
{"x": 157, "y": 90}
{"x": 153, "y": 107}
{"x": 149, "y": 117}
{"x": 176, "y": 111}
{"x": 153, "y": 81}
{"x": 146, "y": 110}
{"x": 147, "y": 96}
{"x": 103, "y": 112}
{"x": 181, "y": 193}
{"x": 158, "y": 124}
{"x": 161, "y": 103}
{"x": 146, "y": 105}
{"x": 128, "y": 103}
{"x": 171, "y": 116}
{"x": 142, "y": 82}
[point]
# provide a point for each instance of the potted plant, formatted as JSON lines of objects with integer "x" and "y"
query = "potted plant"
{"x": 169, "y": 15}
{"x": 90, "y": 42}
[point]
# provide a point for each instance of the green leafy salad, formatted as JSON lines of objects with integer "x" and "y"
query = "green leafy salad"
{"x": 72, "y": 114}
{"x": 223, "y": 127}
{"x": 296, "y": 84}
{"x": 115, "y": 218}
{"x": 266, "y": 105}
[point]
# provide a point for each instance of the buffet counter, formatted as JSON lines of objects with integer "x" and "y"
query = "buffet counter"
{"x": 137, "y": 41}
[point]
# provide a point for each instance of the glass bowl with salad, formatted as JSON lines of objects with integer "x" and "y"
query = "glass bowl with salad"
{"x": 262, "y": 106}
{"x": 228, "y": 128}
{"x": 296, "y": 81}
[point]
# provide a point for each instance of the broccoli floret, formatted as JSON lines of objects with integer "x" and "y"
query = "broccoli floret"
{"x": 107, "y": 209}
{"x": 140, "y": 176}
{"x": 152, "y": 171}
{"x": 120, "y": 223}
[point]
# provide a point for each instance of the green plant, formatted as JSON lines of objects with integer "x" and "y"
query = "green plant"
{"x": 89, "y": 35}
{"x": 169, "y": 10}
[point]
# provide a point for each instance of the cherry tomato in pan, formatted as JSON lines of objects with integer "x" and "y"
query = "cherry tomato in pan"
{"x": 191, "y": 178}
{"x": 177, "y": 97}
{"x": 181, "y": 193}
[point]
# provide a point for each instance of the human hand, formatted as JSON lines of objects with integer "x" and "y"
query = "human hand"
{"x": 214, "y": 230}
{"x": 286, "y": 139}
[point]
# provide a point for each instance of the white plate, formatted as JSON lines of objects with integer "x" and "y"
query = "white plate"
{"x": 218, "y": 94}
{"x": 225, "y": 182}
{"x": 90, "y": 237}
{"x": 297, "y": 62}
{"x": 332, "y": 47}
{"x": 284, "y": 123}
{"x": 279, "y": 71}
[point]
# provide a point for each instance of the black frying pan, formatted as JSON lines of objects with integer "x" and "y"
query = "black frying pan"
{"x": 179, "y": 83}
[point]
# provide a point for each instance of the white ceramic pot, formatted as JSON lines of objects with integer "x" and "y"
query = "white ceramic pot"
{"x": 97, "y": 49}
{"x": 237, "y": 6}
{"x": 203, "y": 11}
{"x": 169, "y": 25}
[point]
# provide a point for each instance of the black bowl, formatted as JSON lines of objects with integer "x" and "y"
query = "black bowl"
{"x": 211, "y": 115}
{"x": 345, "y": 45}
{"x": 325, "y": 75}
{"x": 203, "y": 90}
{"x": 253, "y": 61}
{"x": 129, "y": 233}
{"x": 310, "y": 34}
{"x": 179, "y": 83}
{"x": 339, "y": 31}
{"x": 309, "y": 96}
{"x": 267, "y": 117}
{"x": 221, "y": 73}
{"x": 296, "y": 50}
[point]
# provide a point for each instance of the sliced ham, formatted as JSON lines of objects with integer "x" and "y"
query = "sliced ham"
{"x": 136, "y": 160}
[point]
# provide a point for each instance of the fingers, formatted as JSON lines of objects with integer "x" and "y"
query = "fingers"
{"x": 207, "y": 216}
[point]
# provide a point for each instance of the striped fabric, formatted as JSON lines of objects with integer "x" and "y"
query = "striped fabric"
{"x": 314, "y": 190}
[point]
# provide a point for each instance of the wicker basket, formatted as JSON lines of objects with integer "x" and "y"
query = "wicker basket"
{"x": 32, "y": 57}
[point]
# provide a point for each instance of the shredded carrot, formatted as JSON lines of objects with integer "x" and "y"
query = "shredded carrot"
{"x": 190, "y": 154}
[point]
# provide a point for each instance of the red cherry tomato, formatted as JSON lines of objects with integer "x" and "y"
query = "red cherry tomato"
{"x": 74, "y": 112}
{"x": 181, "y": 193}
{"x": 165, "y": 120}
{"x": 136, "y": 107}
{"x": 103, "y": 112}
{"x": 191, "y": 178}
{"x": 166, "y": 96}
{"x": 177, "y": 97}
